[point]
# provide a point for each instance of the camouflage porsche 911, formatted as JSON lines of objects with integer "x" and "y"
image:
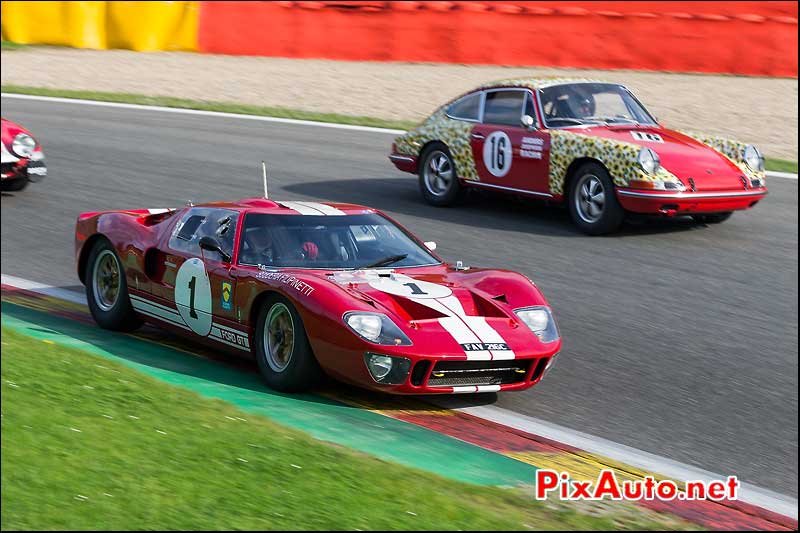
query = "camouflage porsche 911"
{"x": 591, "y": 145}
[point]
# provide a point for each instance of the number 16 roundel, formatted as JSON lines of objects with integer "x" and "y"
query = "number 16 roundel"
{"x": 193, "y": 296}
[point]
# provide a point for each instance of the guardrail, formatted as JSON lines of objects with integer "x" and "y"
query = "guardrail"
{"x": 744, "y": 37}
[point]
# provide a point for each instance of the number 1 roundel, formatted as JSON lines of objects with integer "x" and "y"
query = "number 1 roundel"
{"x": 401, "y": 285}
{"x": 193, "y": 296}
{"x": 497, "y": 153}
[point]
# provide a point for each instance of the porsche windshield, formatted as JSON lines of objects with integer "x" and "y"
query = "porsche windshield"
{"x": 348, "y": 241}
{"x": 585, "y": 104}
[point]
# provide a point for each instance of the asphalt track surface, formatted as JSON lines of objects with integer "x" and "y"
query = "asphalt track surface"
{"x": 679, "y": 339}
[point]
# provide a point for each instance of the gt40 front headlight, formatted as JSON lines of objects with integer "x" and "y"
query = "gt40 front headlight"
{"x": 23, "y": 145}
{"x": 376, "y": 328}
{"x": 540, "y": 320}
{"x": 753, "y": 158}
{"x": 649, "y": 161}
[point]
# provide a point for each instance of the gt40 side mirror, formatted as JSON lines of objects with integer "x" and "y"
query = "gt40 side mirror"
{"x": 430, "y": 245}
{"x": 211, "y": 244}
{"x": 528, "y": 122}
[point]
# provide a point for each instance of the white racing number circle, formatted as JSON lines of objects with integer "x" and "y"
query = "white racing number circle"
{"x": 497, "y": 153}
{"x": 193, "y": 296}
{"x": 401, "y": 285}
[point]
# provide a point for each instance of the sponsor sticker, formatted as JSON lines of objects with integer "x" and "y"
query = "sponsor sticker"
{"x": 227, "y": 293}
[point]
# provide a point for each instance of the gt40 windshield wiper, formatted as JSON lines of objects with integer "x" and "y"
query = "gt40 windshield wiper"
{"x": 386, "y": 261}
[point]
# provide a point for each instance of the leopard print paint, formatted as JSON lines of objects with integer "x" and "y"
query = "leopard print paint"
{"x": 621, "y": 159}
{"x": 733, "y": 150}
{"x": 453, "y": 133}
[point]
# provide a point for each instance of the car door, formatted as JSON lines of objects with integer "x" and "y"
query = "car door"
{"x": 200, "y": 283}
{"x": 507, "y": 155}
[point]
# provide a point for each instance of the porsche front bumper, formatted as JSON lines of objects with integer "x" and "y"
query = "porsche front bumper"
{"x": 688, "y": 203}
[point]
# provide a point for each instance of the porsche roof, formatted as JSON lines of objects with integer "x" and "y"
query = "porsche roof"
{"x": 537, "y": 83}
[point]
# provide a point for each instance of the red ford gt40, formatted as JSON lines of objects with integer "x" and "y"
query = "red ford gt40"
{"x": 308, "y": 288}
{"x": 22, "y": 158}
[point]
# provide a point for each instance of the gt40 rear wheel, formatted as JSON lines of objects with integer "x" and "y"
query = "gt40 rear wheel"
{"x": 107, "y": 290}
{"x": 283, "y": 352}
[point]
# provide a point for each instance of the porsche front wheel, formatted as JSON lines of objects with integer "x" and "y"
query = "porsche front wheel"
{"x": 593, "y": 203}
{"x": 283, "y": 352}
{"x": 438, "y": 181}
{"x": 107, "y": 290}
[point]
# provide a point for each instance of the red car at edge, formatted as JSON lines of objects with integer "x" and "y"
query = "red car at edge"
{"x": 310, "y": 288}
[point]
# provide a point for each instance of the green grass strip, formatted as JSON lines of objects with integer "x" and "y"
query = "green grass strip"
{"x": 89, "y": 443}
{"x": 781, "y": 165}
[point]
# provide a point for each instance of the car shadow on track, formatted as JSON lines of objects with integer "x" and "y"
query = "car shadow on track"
{"x": 481, "y": 209}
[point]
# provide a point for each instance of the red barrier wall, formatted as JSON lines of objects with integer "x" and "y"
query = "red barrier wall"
{"x": 754, "y": 38}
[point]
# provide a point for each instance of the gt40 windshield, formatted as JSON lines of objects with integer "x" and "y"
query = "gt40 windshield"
{"x": 580, "y": 104}
{"x": 340, "y": 242}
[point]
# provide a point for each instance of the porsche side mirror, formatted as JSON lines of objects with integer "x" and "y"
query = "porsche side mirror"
{"x": 430, "y": 245}
{"x": 211, "y": 244}
{"x": 528, "y": 122}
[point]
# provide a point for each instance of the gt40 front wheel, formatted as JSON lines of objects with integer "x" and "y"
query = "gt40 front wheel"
{"x": 283, "y": 352}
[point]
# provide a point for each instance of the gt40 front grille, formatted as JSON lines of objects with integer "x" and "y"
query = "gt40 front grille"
{"x": 456, "y": 373}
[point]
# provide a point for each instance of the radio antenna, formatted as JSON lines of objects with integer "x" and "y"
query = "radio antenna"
{"x": 264, "y": 174}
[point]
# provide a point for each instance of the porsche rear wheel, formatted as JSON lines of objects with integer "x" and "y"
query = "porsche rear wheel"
{"x": 283, "y": 352}
{"x": 593, "y": 203}
{"x": 107, "y": 290}
{"x": 714, "y": 218}
{"x": 438, "y": 181}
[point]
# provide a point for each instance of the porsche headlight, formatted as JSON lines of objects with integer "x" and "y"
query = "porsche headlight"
{"x": 540, "y": 320}
{"x": 377, "y": 328}
{"x": 753, "y": 158}
{"x": 649, "y": 161}
{"x": 23, "y": 145}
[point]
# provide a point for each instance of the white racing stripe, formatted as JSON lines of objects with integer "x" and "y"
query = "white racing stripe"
{"x": 325, "y": 209}
{"x": 301, "y": 208}
{"x": 476, "y": 388}
{"x": 766, "y": 499}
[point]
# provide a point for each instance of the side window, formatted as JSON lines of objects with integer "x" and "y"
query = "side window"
{"x": 529, "y": 109}
{"x": 503, "y": 107}
{"x": 466, "y": 108}
{"x": 199, "y": 222}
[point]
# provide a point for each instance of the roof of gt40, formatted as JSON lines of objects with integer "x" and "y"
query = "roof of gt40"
{"x": 282, "y": 207}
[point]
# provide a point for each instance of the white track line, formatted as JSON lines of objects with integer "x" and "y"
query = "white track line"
{"x": 766, "y": 499}
{"x": 220, "y": 114}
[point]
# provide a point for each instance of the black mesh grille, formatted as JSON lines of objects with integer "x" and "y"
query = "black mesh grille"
{"x": 455, "y": 373}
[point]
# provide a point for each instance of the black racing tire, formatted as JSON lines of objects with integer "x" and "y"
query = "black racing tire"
{"x": 438, "y": 177}
{"x": 592, "y": 216}
{"x": 713, "y": 218}
{"x": 287, "y": 367}
{"x": 14, "y": 185}
{"x": 103, "y": 271}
